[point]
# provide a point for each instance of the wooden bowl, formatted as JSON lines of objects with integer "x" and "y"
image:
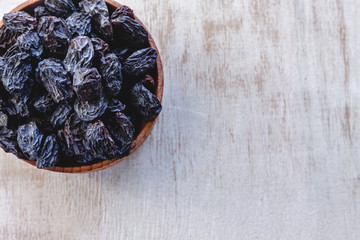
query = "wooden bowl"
{"x": 145, "y": 128}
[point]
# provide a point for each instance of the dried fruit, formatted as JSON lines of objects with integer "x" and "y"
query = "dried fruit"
{"x": 100, "y": 49}
{"x": 29, "y": 139}
{"x": 48, "y": 155}
{"x": 111, "y": 72}
{"x": 14, "y": 49}
{"x": 94, "y": 7}
{"x": 55, "y": 35}
{"x": 55, "y": 79}
{"x": 44, "y": 104}
{"x": 87, "y": 84}
{"x": 74, "y": 133}
{"x": 8, "y": 142}
{"x": 79, "y": 24}
{"x": 100, "y": 143}
{"x": 146, "y": 104}
{"x": 30, "y": 43}
{"x": 7, "y": 38}
{"x": 60, "y": 8}
{"x": 40, "y": 11}
{"x": 58, "y": 117}
{"x": 122, "y": 130}
{"x": 123, "y": 11}
{"x": 80, "y": 54}
{"x": 140, "y": 62}
{"x": 16, "y": 74}
{"x": 129, "y": 31}
{"x": 90, "y": 110}
{"x": 19, "y": 21}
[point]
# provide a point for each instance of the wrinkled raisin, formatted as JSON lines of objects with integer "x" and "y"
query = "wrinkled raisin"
{"x": 129, "y": 31}
{"x": 29, "y": 139}
{"x": 90, "y": 110}
{"x": 80, "y": 54}
{"x": 111, "y": 72}
{"x": 60, "y": 8}
{"x": 30, "y": 43}
{"x": 145, "y": 103}
{"x": 140, "y": 62}
{"x": 58, "y": 118}
{"x": 79, "y": 24}
{"x": 48, "y": 155}
{"x": 19, "y": 21}
{"x": 123, "y": 11}
{"x": 40, "y": 11}
{"x": 87, "y": 84}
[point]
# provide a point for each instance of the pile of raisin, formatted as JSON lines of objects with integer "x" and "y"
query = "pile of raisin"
{"x": 78, "y": 82}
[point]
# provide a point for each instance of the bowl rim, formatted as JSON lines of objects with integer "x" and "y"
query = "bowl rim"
{"x": 147, "y": 127}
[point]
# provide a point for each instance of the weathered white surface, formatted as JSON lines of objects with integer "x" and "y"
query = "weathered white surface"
{"x": 258, "y": 139}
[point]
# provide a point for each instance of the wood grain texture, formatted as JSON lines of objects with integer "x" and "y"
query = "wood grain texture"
{"x": 258, "y": 138}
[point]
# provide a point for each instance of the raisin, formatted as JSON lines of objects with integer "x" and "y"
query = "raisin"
{"x": 87, "y": 84}
{"x": 19, "y": 21}
{"x": 8, "y": 142}
{"x": 60, "y": 8}
{"x": 146, "y": 104}
{"x": 116, "y": 106}
{"x": 44, "y": 104}
{"x": 90, "y": 110}
{"x": 55, "y": 79}
{"x": 30, "y": 43}
{"x": 3, "y": 63}
{"x": 111, "y": 72}
{"x": 48, "y": 155}
{"x": 122, "y": 53}
{"x": 100, "y": 49}
{"x": 58, "y": 118}
{"x": 16, "y": 74}
{"x": 29, "y": 139}
{"x": 17, "y": 106}
{"x": 148, "y": 82}
{"x": 79, "y": 24}
{"x": 55, "y": 35}
{"x": 74, "y": 133}
{"x": 40, "y": 11}
{"x": 100, "y": 17}
{"x": 129, "y": 31}
{"x": 3, "y": 119}
{"x": 100, "y": 143}
{"x": 7, "y": 39}
{"x": 123, "y": 11}
{"x": 122, "y": 130}
{"x": 94, "y": 7}
{"x": 80, "y": 54}
{"x": 14, "y": 49}
{"x": 140, "y": 62}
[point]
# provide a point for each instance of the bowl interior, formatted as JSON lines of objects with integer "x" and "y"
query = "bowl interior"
{"x": 145, "y": 128}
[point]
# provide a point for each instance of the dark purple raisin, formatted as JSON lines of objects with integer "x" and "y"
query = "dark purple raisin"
{"x": 122, "y": 53}
{"x": 94, "y": 7}
{"x": 48, "y": 155}
{"x": 146, "y": 104}
{"x": 55, "y": 35}
{"x": 60, "y": 8}
{"x": 129, "y": 31}
{"x": 19, "y": 21}
{"x": 90, "y": 110}
{"x": 115, "y": 105}
{"x": 40, "y": 11}
{"x": 3, "y": 119}
{"x": 30, "y": 43}
{"x": 8, "y": 142}
{"x": 99, "y": 142}
{"x": 80, "y": 54}
{"x": 111, "y": 72}
{"x": 100, "y": 49}
{"x": 17, "y": 106}
{"x": 44, "y": 104}
{"x": 87, "y": 84}
{"x": 16, "y": 74}
{"x": 100, "y": 17}
{"x": 29, "y": 139}
{"x": 74, "y": 133}
{"x": 58, "y": 118}
{"x": 140, "y": 62}
{"x": 123, "y": 11}
{"x": 7, "y": 39}
{"x": 122, "y": 130}
{"x": 148, "y": 82}
{"x": 55, "y": 79}
{"x": 14, "y": 49}
{"x": 79, "y": 24}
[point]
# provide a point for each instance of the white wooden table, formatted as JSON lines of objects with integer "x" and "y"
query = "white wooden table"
{"x": 258, "y": 138}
